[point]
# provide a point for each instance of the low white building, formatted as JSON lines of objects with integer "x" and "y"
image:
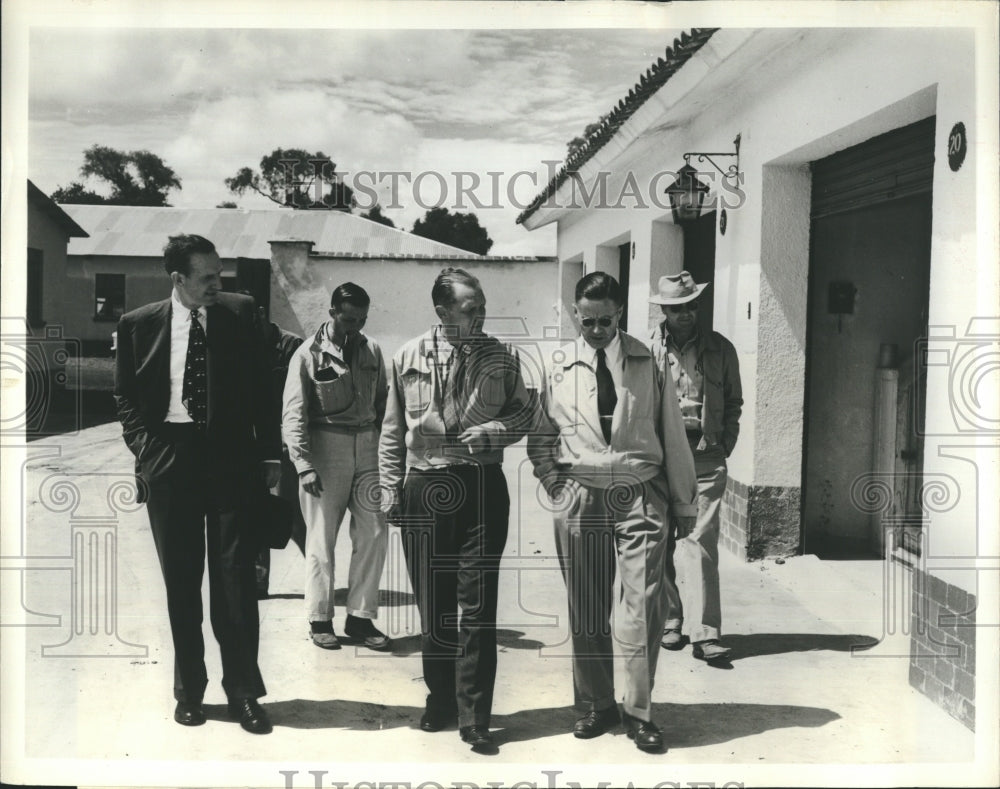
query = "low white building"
{"x": 852, "y": 255}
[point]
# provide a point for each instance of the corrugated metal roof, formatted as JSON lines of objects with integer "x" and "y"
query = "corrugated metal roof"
{"x": 138, "y": 231}
{"x": 656, "y": 76}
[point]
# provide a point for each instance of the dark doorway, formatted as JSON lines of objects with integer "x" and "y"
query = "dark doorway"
{"x": 624, "y": 272}
{"x": 869, "y": 274}
{"x": 699, "y": 261}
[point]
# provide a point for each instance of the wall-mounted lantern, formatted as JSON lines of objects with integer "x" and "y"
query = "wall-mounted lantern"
{"x": 687, "y": 193}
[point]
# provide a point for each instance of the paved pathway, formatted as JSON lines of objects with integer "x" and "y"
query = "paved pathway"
{"x": 796, "y": 694}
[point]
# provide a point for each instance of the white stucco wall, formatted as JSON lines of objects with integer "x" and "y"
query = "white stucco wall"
{"x": 797, "y": 96}
{"x": 521, "y": 296}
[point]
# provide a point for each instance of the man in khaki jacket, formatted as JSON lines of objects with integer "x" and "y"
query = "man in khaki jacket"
{"x": 706, "y": 374}
{"x": 611, "y": 452}
{"x": 456, "y": 400}
{"x": 334, "y": 402}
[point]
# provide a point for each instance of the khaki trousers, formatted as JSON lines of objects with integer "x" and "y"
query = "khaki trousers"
{"x": 347, "y": 466}
{"x": 693, "y": 563}
{"x": 599, "y": 531}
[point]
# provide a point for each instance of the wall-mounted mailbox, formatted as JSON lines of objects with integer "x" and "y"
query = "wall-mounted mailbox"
{"x": 840, "y": 298}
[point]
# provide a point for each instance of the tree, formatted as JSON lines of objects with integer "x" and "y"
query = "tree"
{"x": 77, "y": 194}
{"x": 375, "y": 214}
{"x": 578, "y": 142}
{"x": 458, "y": 229}
{"x": 134, "y": 178}
{"x": 295, "y": 178}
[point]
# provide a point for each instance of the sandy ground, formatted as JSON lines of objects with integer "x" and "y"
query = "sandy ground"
{"x": 817, "y": 677}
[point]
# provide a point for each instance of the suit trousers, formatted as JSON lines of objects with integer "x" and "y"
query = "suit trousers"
{"x": 347, "y": 465}
{"x": 692, "y": 564}
{"x": 454, "y": 528}
{"x": 197, "y": 508}
{"x": 598, "y": 530}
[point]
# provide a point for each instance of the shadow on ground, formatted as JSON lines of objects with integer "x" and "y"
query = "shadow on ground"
{"x": 506, "y": 639}
{"x": 684, "y": 725}
{"x": 757, "y": 644}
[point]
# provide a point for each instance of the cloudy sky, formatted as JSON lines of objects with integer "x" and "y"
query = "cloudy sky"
{"x": 209, "y": 101}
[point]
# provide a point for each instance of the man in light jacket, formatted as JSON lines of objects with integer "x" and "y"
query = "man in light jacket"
{"x": 611, "y": 451}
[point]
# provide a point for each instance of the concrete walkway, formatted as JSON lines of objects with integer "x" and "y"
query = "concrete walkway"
{"x": 796, "y": 697}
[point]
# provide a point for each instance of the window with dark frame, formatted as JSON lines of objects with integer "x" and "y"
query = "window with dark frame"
{"x": 109, "y": 297}
{"x": 33, "y": 309}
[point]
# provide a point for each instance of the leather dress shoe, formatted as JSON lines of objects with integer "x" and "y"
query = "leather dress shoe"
{"x": 596, "y": 722}
{"x": 479, "y": 738}
{"x": 434, "y": 720}
{"x": 362, "y": 631}
{"x": 189, "y": 713}
{"x": 672, "y": 639}
{"x": 710, "y": 650}
{"x": 252, "y": 716}
{"x": 647, "y": 735}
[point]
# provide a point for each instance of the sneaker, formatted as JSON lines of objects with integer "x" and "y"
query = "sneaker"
{"x": 672, "y": 639}
{"x": 362, "y": 631}
{"x": 710, "y": 650}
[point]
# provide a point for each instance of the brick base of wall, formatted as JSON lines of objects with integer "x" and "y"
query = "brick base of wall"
{"x": 943, "y": 646}
{"x": 733, "y": 518}
{"x": 760, "y": 521}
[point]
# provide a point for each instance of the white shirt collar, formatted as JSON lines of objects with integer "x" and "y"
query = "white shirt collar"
{"x": 181, "y": 310}
{"x": 612, "y": 351}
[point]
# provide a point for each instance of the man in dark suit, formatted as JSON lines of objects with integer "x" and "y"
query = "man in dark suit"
{"x": 193, "y": 397}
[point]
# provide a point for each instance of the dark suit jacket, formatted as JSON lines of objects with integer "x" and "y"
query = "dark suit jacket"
{"x": 241, "y": 430}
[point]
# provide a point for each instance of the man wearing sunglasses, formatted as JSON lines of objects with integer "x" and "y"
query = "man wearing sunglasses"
{"x": 706, "y": 374}
{"x": 612, "y": 454}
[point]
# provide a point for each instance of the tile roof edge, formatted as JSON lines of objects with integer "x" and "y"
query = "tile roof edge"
{"x": 654, "y": 78}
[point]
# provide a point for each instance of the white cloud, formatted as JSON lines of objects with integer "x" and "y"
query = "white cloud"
{"x": 440, "y": 101}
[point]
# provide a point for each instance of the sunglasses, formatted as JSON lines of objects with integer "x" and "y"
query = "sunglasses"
{"x": 604, "y": 321}
{"x": 690, "y": 306}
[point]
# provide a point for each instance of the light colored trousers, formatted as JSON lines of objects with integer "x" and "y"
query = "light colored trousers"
{"x": 347, "y": 466}
{"x": 694, "y": 562}
{"x": 598, "y": 530}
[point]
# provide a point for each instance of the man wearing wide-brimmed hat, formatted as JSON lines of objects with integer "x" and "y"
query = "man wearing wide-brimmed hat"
{"x": 706, "y": 374}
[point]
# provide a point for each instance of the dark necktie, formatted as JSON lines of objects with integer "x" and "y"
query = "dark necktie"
{"x": 454, "y": 388}
{"x": 606, "y": 397}
{"x": 194, "y": 393}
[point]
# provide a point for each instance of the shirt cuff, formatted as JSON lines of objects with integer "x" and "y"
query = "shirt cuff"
{"x": 684, "y": 510}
